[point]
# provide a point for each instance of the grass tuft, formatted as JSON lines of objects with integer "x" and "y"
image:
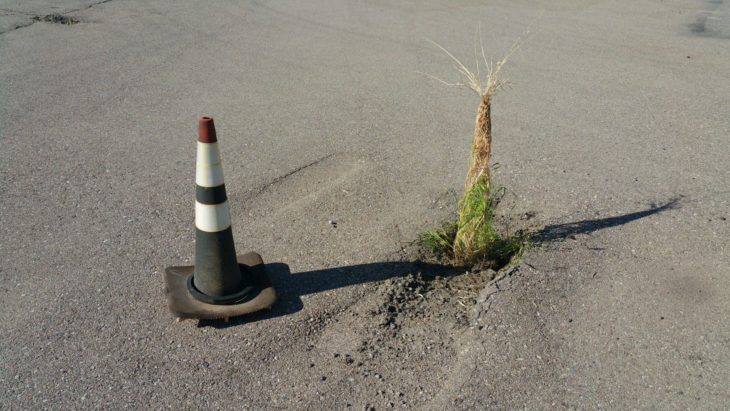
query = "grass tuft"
{"x": 440, "y": 241}
{"x": 472, "y": 239}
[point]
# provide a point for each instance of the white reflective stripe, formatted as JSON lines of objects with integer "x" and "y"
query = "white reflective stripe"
{"x": 212, "y": 218}
{"x": 209, "y": 175}
{"x": 208, "y": 168}
{"x": 208, "y": 153}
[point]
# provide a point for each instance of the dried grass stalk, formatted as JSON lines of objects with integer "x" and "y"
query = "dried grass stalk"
{"x": 481, "y": 148}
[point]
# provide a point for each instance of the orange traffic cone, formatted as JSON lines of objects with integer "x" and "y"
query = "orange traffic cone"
{"x": 220, "y": 284}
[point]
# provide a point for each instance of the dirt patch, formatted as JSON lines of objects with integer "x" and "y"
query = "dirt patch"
{"x": 399, "y": 327}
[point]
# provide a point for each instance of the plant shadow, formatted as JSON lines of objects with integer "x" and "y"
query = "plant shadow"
{"x": 291, "y": 287}
{"x": 556, "y": 232}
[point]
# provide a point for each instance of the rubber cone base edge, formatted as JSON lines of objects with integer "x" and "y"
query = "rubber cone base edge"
{"x": 184, "y": 305}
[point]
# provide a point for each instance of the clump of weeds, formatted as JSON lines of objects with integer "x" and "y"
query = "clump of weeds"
{"x": 57, "y": 19}
{"x": 473, "y": 239}
{"x": 489, "y": 247}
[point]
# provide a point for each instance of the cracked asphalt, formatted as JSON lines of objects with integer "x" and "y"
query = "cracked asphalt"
{"x": 612, "y": 142}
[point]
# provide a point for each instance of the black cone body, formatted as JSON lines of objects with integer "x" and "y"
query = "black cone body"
{"x": 216, "y": 268}
{"x": 217, "y": 277}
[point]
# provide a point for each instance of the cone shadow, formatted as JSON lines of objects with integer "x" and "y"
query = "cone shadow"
{"x": 291, "y": 287}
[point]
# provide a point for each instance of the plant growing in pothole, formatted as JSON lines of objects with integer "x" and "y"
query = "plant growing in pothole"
{"x": 472, "y": 237}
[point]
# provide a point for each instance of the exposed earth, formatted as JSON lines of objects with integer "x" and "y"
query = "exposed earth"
{"x": 612, "y": 142}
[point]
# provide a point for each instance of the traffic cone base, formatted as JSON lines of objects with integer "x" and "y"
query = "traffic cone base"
{"x": 186, "y": 302}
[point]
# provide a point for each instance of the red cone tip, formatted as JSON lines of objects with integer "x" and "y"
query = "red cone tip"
{"x": 206, "y": 130}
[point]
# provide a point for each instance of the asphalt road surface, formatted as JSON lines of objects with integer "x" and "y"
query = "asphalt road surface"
{"x": 612, "y": 141}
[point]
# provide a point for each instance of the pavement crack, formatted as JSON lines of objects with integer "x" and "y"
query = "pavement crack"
{"x": 90, "y": 6}
{"x": 262, "y": 188}
{"x": 61, "y": 18}
{"x": 20, "y": 26}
